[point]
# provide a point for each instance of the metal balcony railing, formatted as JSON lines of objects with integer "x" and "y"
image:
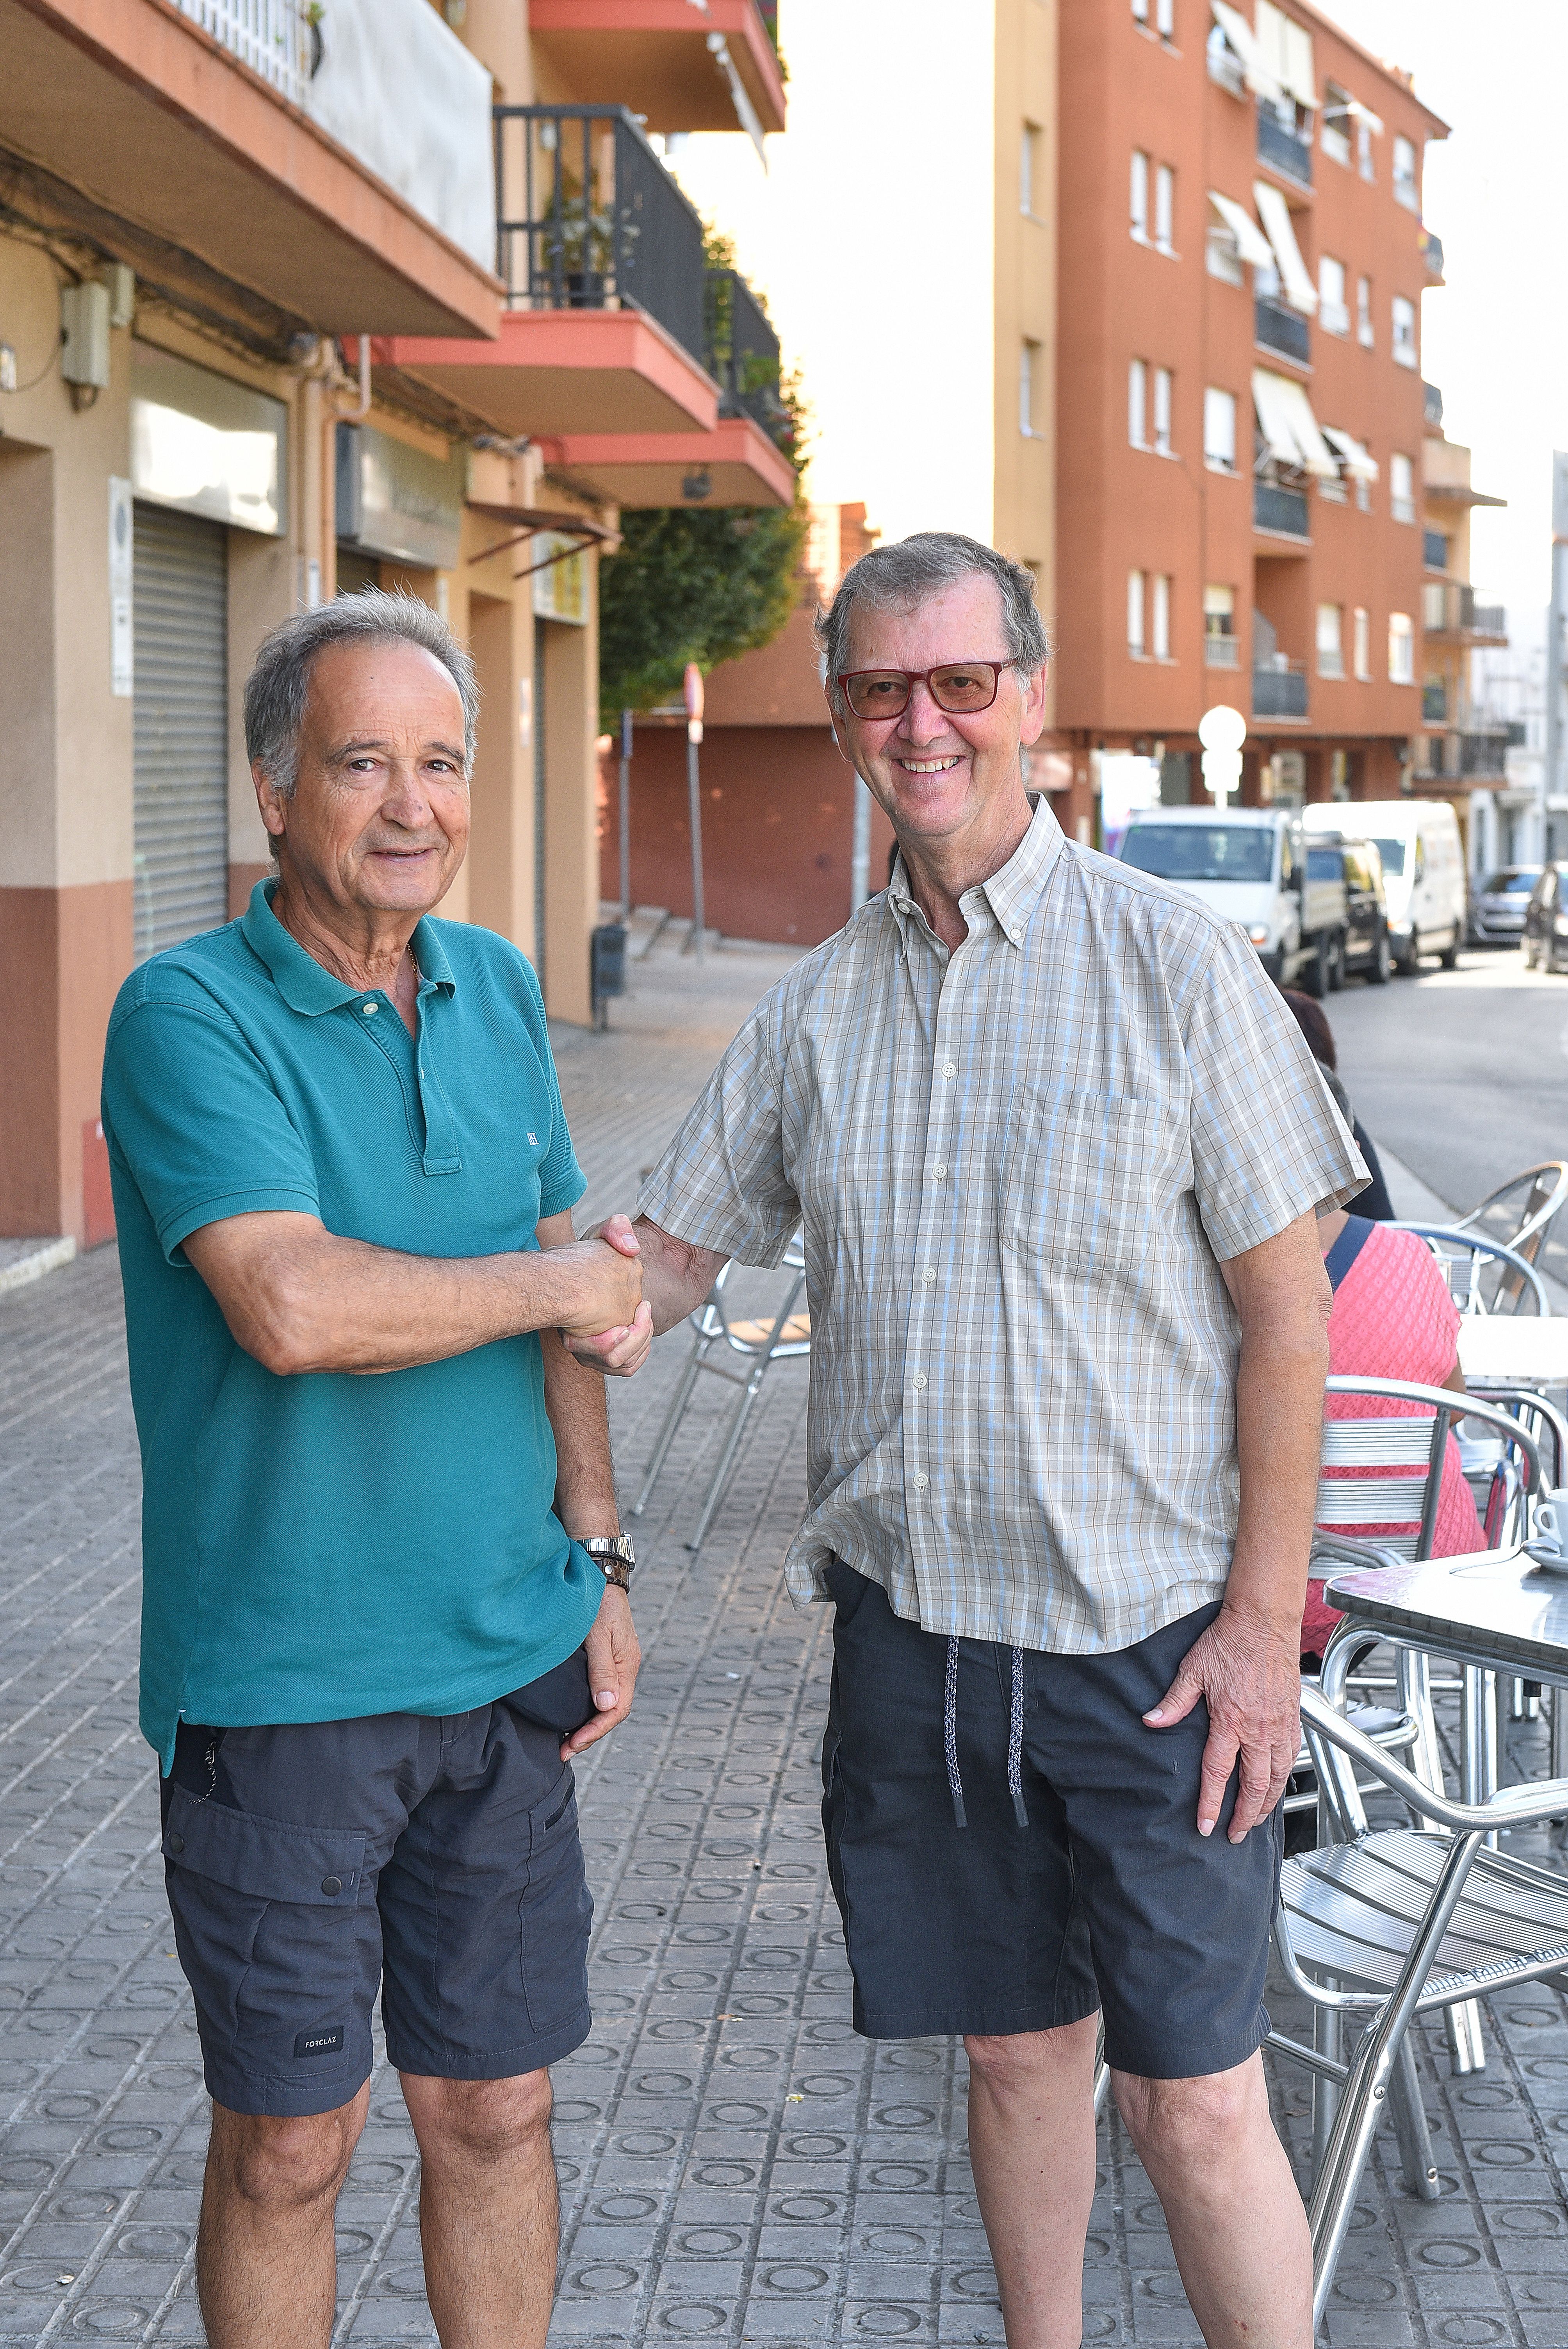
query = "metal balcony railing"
{"x": 1279, "y": 691}
{"x": 1282, "y": 330}
{"x": 1489, "y": 619}
{"x": 1221, "y": 652}
{"x": 275, "y": 38}
{"x": 589, "y": 219}
{"x": 1284, "y": 148}
{"x": 1431, "y": 403}
{"x": 1453, "y": 611}
{"x": 1434, "y": 550}
{"x": 1282, "y": 510}
{"x": 1434, "y": 704}
{"x": 1481, "y": 755}
{"x": 1430, "y": 248}
{"x": 742, "y": 354}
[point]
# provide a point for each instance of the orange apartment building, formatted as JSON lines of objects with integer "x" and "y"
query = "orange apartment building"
{"x": 1239, "y": 413}
{"x": 273, "y": 325}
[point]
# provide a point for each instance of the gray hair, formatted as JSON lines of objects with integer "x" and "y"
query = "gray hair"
{"x": 897, "y": 578}
{"x": 278, "y": 687}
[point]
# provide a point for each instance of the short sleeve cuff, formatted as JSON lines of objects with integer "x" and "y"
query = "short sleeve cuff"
{"x": 217, "y": 1206}
{"x": 563, "y": 1195}
{"x": 750, "y": 1239}
{"x": 1234, "y": 1227}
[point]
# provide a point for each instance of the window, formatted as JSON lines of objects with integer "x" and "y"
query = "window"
{"x": 1363, "y": 312}
{"x": 1165, "y": 209}
{"x": 1401, "y": 488}
{"x": 1137, "y": 404}
{"x": 1141, "y": 11}
{"x": 1222, "y": 254}
{"x": 1405, "y": 331}
{"x": 1434, "y": 605}
{"x": 1162, "y": 395}
{"x": 1330, "y": 640}
{"x": 1028, "y": 162}
{"x": 1336, "y": 120}
{"x": 1364, "y": 147}
{"x": 1407, "y": 190}
{"x": 1221, "y": 649}
{"x": 1028, "y": 356}
{"x": 1139, "y": 195}
{"x": 1135, "y": 600}
{"x": 1332, "y": 312}
{"x": 1361, "y": 643}
{"x": 1220, "y": 429}
{"x": 1401, "y": 649}
{"x": 1159, "y": 616}
{"x": 1165, "y": 19}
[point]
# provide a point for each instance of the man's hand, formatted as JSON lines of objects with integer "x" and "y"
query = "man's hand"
{"x": 1250, "y": 1676}
{"x": 676, "y": 1280}
{"x": 603, "y": 1287}
{"x": 614, "y": 1657}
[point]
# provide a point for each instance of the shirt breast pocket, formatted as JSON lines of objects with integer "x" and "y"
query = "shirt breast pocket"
{"x": 1088, "y": 1178}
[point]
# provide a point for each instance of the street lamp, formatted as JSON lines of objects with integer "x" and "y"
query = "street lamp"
{"x": 1222, "y": 731}
{"x": 693, "y": 695}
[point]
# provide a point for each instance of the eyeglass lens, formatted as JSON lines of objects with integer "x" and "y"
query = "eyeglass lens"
{"x": 957, "y": 686}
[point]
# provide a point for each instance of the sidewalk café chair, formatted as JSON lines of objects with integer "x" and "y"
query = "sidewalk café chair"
{"x": 756, "y": 1346}
{"x": 1484, "y": 1275}
{"x": 1380, "y": 1927}
{"x": 1521, "y": 1223}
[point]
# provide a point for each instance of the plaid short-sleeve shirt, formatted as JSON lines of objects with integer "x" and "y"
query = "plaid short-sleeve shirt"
{"x": 1019, "y": 1167}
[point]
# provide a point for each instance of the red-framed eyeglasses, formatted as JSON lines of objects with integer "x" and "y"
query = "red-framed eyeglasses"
{"x": 961, "y": 688}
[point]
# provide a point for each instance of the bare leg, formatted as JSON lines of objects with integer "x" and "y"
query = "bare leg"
{"x": 1238, "y": 2225}
{"x": 488, "y": 2209}
{"x": 266, "y": 2264}
{"x": 1031, "y": 2141}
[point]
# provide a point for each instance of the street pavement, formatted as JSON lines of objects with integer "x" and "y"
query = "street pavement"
{"x": 736, "y": 2166}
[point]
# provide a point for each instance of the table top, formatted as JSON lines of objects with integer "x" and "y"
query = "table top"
{"x": 1511, "y": 1616}
{"x": 1517, "y": 1349}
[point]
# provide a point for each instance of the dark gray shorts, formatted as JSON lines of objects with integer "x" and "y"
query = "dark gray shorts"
{"x": 1107, "y": 1898}
{"x": 435, "y": 1858}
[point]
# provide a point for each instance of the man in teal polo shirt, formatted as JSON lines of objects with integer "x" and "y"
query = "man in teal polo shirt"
{"x": 385, "y": 1581}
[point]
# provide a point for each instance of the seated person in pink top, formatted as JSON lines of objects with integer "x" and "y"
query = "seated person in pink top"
{"x": 1392, "y": 1319}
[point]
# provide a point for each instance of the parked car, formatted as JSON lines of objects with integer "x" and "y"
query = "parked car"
{"x": 1423, "y": 871}
{"x": 1544, "y": 943}
{"x": 1250, "y": 864}
{"x": 1359, "y": 867}
{"x": 1497, "y": 918}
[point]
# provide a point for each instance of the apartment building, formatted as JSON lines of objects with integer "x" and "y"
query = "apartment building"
{"x": 1461, "y": 750}
{"x": 271, "y": 327}
{"x": 1241, "y": 427}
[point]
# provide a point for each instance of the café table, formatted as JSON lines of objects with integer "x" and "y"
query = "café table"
{"x": 1514, "y": 1349}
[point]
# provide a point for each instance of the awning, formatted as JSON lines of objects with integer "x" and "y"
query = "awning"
{"x": 1294, "y": 276}
{"x": 1284, "y": 48}
{"x": 1251, "y": 243}
{"x": 1288, "y": 424}
{"x": 1240, "y": 35}
{"x": 1357, "y": 464}
{"x": 1363, "y": 114}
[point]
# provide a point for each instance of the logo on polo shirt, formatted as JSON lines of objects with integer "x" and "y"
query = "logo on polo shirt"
{"x": 534, "y": 1139}
{"x": 319, "y": 2043}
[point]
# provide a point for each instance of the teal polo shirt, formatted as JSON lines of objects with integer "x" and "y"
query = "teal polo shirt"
{"x": 324, "y": 1546}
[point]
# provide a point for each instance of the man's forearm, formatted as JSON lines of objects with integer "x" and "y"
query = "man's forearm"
{"x": 1279, "y": 1429}
{"x": 578, "y": 1417}
{"x": 676, "y": 1277}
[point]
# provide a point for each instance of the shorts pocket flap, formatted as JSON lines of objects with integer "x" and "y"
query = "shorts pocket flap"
{"x": 269, "y": 1858}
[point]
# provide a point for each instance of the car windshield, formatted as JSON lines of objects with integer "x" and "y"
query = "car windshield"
{"x": 1518, "y": 883}
{"x": 1324, "y": 864}
{"x": 1198, "y": 852}
{"x": 1393, "y": 854}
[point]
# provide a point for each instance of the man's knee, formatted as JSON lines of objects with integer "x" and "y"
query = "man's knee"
{"x": 1012, "y": 2065}
{"x": 481, "y": 2121}
{"x": 285, "y": 2164}
{"x": 1188, "y": 2121}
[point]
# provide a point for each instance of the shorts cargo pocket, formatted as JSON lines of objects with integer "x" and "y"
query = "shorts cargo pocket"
{"x": 556, "y": 1911}
{"x": 264, "y": 1924}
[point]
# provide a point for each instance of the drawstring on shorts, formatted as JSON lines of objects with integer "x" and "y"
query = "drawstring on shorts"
{"x": 1014, "y": 1737}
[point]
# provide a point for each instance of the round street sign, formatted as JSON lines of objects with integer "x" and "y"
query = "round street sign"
{"x": 692, "y": 690}
{"x": 1222, "y": 727}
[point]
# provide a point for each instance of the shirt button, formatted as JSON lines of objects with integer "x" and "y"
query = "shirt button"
{"x": 331, "y": 1884}
{"x": 368, "y": 1007}
{"x": 918, "y": 1379}
{"x": 928, "y": 1272}
{"x": 940, "y": 1169}
{"x": 921, "y": 1483}
{"x": 950, "y": 1068}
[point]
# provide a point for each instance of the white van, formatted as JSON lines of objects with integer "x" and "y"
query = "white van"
{"x": 1423, "y": 870}
{"x": 1250, "y": 865}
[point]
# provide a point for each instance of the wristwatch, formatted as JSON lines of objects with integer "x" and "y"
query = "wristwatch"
{"x": 615, "y": 1556}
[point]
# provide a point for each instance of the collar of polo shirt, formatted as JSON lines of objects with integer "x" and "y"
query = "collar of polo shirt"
{"x": 305, "y": 983}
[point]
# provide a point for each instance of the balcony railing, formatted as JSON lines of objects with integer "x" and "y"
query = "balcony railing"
{"x": 1431, "y": 403}
{"x": 1434, "y": 550}
{"x": 1221, "y": 652}
{"x": 589, "y": 219}
{"x": 276, "y": 38}
{"x": 1434, "y": 704}
{"x": 1279, "y": 692}
{"x": 1430, "y": 248}
{"x": 1453, "y": 611}
{"x": 1282, "y": 330}
{"x": 1283, "y": 149}
{"x": 742, "y": 354}
{"x": 1282, "y": 510}
{"x": 1490, "y": 620}
{"x": 1481, "y": 755}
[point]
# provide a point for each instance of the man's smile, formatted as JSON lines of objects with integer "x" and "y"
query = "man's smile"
{"x": 926, "y": 766}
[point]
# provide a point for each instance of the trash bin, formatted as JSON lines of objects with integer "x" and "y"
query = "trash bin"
{"x": 606, "y": 967}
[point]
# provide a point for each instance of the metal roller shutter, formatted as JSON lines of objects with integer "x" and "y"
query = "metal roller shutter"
{"x": 180, "y": 608}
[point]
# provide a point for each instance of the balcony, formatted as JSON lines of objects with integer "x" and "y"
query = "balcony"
{"x": 1283, "y": 512}
{"x": 1478, "y": 760}
{"x": 1453, "y": 611}
{"x": 1434, "y": 550}
{"x": 1221, "y": 652}
{"x": 1280, "y": 692}
{"x": 1434, "y": 703}
{"x": 743, "y": 357}
{"x": 667, "y": 61}
{"x": 1283, "y": 150}
{"x": 1282, "y": 330}
{"x": 223, "y": 170}
{"x": 1431, "y": 405}
{"x": 1430, "y": 248}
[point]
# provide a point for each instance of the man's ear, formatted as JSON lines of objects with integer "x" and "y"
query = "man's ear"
{"x": 1033, "y": 714}
{"x": 268, "y": 801}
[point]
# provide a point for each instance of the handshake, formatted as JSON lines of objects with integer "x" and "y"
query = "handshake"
{"x": 601, "y": 1313}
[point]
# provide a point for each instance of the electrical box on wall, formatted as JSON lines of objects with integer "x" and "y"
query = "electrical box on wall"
{"x": 84, "y": 320}
{"x": 121, "y": 280}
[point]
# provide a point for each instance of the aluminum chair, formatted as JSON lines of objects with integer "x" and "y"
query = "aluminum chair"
{"x": 1380, "y": 1927}
{"x": 1483, "y": 1275}
{"x": 1368, "y": 1448}
{"x": 756, "y": 1345}
{"x": 1521, "y": 1225}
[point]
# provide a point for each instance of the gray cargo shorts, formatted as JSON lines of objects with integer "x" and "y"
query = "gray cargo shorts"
{"x": 436, "y": 1858}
